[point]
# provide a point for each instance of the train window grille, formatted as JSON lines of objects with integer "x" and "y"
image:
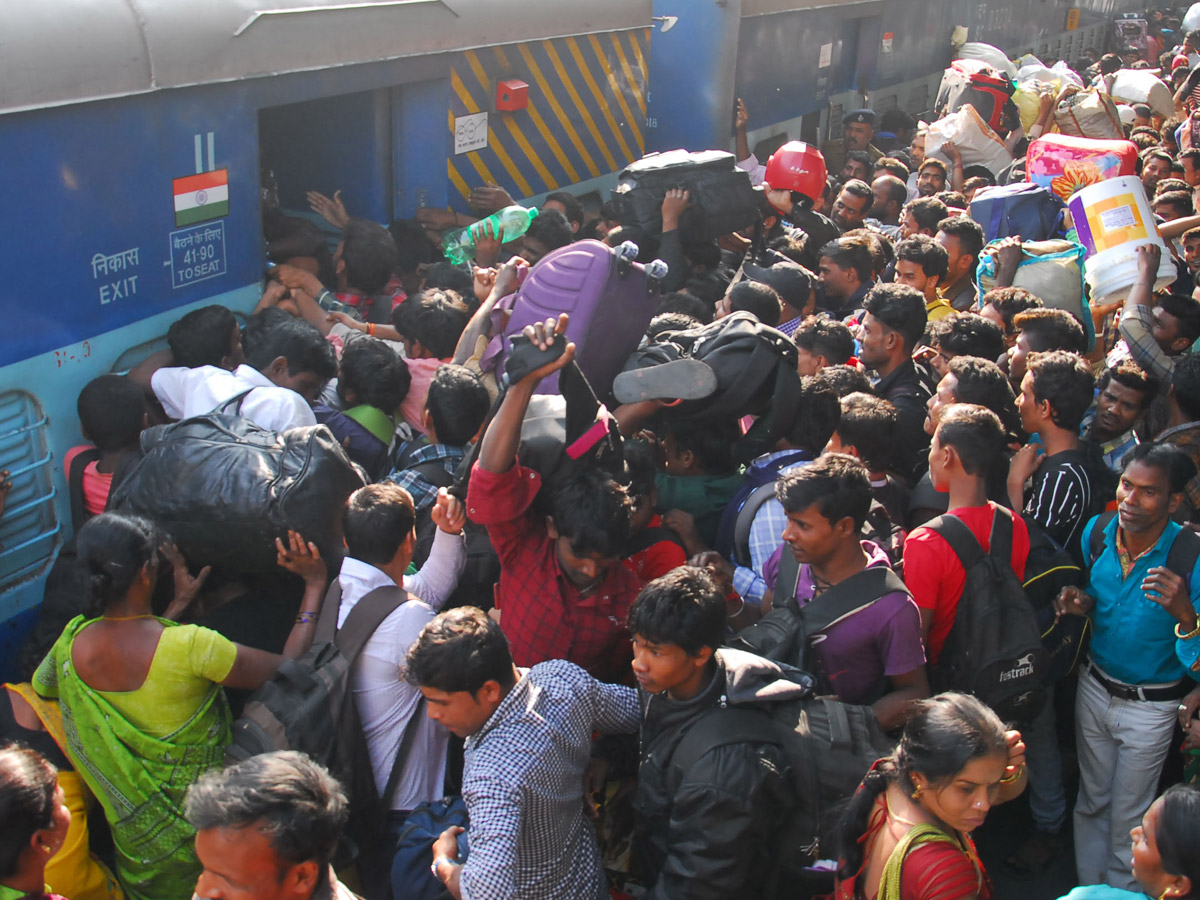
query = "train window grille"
{"x": 836, "y": 111}
{"x": 29, "y": 526}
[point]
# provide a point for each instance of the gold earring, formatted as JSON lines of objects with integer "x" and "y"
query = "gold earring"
{"x": 917, "y": 793}
{"x": 1165, "y": 894}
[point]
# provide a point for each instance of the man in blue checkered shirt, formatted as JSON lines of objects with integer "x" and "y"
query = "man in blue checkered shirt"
{"x": 528, "y": 741}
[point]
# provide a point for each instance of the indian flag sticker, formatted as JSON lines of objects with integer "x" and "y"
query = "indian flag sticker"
{"x": 199, "y": 198}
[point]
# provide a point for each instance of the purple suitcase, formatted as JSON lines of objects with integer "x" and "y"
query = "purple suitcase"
{"x": 610, "y": 299}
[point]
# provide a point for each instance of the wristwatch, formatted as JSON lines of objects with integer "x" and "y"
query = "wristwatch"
{"x": 437, "y": 862}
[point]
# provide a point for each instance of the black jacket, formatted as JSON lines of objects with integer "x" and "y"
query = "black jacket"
{"x": 709, "y": 832}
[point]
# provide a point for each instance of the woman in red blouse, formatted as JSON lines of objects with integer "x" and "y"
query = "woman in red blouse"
{"x": 906, "y": 833}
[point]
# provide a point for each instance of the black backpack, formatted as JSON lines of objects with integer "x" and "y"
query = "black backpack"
{"x": 829, "y": 746}
{"x": 755, "y": 366}
{"x": 1049, "y": 569}
{"x": 308, "y": 705}
{"x": 785, "y": 633}
{"x": 994, "y": 648}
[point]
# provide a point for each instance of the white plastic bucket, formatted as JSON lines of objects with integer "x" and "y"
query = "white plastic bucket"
{"x": 1113, "y": 218}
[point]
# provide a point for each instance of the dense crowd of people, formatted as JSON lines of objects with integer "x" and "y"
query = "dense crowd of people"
{"x": 591, "y": 661}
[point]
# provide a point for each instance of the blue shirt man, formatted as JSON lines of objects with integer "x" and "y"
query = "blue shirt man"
{"x": 1133, "y": 686}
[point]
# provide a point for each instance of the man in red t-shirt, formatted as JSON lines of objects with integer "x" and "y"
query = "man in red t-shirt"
{"x": 968, "y": 444}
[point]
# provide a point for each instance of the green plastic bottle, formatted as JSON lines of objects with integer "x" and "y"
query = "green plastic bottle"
{"x": 459, "y": 244}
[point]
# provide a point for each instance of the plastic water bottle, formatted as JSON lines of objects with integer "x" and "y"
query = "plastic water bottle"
{"x": 459, "y": 244}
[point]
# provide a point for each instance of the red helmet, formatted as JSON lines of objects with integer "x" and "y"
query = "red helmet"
{"x": 797, "y": 166}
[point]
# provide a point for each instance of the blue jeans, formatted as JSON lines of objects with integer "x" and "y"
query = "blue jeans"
{"x": 1043, "y": 762}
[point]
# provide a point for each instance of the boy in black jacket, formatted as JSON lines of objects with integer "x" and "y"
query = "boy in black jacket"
{"x": 709, "y": 829}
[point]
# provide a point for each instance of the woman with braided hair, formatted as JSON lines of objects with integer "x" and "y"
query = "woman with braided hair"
{"x": 906, "y": 833}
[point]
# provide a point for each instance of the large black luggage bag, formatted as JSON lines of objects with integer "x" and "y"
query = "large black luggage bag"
{"x": 722, "y": 199}
{"x": 225, "y": 488}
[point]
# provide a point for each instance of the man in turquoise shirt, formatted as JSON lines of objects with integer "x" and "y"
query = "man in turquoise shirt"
{"x": 1133, "y": 686}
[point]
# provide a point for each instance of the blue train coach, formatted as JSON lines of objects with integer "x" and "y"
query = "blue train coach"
{"x": 133, "y": 134}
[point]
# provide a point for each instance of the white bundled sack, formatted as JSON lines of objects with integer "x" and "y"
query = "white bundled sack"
{"x": 1060, "y": 76}
{"x": 993, "y": 56}
{"x": 978, "y": 144}
{"x": 1143, "y": 86}
{"x": 1191, "y": 19}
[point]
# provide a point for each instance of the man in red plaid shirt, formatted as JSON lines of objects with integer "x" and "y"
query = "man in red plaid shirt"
{"x": 563, "y": 593}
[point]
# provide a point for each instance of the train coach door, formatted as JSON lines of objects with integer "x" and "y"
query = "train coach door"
{"x": 331, "y": 143}
{"x": 866, "y": 57}
{"x": 855, "y": 56}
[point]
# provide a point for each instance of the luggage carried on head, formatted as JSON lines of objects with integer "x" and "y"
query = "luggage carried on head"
{"x": 977, "y": 83}
{"x": 610, "y": 298}
{"x": 721, "y": 196}
{"x": 1089, "y": 113}
{"x": 225, "y": 488}
{"x": 1135, "y": 86}
{"x": 1065, "y": 163}
{"x": 977, "y": 143}
{"x": 1052, "y": 271}
{"x": 994, "y": 648}
{"x": 755, "y": 369}
{"x": 1023, "y": 209}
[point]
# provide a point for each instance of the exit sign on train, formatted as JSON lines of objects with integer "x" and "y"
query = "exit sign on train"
{"x": 1072, "y": 19}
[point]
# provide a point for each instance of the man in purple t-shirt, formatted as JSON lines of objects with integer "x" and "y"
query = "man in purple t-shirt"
{"x": 874, "y": 655}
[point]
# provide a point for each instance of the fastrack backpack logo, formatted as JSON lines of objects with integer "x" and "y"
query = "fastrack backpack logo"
{"x": 1022, "y": 669}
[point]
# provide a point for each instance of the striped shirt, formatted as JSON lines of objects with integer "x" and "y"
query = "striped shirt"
{"x": 1060, "y": 497}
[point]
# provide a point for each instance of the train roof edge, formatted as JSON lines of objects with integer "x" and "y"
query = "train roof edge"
{"x": 75, "y": 51}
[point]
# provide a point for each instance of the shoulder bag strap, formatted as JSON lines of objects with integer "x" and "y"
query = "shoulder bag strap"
{"x": 962, "y": 540}
{"x": 402, "y": 753}
{"x": 1185, "y": 550}
{"x": 1096, "y": 540}
{"x": 720, "y": 727}
{"x": 787, "y": 579}
{"x": 368, "y": 614}
{"x": 235, "y": 401}
{"x": 847, "y": 597}
{"x": 890, "y": 879}
{"x": 326, "y": 631}
{"x": 1000, "y": 544}
{"x": 743, "y": 522}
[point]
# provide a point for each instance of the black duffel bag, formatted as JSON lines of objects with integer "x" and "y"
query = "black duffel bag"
{"x": 224, "y": 488}
{"x": 721, "y": 196}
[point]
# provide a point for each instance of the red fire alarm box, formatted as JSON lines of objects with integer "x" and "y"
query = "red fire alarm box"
{"x": 511, "y": 95}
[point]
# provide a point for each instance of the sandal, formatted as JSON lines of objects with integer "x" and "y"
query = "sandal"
{"x": 679, "y": 379}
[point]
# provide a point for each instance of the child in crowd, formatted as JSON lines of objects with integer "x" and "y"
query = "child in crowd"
{"x": 372, "y": 383}
{"x": 112, "y": 414}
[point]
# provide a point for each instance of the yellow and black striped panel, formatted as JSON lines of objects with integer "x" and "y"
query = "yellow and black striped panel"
{"x": 586, "y": 114}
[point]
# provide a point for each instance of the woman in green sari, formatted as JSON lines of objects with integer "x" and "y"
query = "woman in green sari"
{"x": 141, "y": 697}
